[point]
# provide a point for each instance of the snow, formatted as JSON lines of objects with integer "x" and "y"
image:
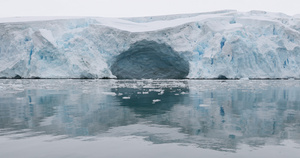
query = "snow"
{"x": 253, "y": 44}
{"x": 31, "y": 19}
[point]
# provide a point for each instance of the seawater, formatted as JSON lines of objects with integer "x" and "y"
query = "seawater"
{"x": 149, "y": 118}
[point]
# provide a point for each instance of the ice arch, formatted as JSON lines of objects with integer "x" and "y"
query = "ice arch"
{"x": 150, "y": 60}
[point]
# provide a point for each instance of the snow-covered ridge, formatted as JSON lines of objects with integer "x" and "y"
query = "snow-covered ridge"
{"x": 254, "y": 44}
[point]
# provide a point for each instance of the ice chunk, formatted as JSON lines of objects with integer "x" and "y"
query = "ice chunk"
{"x": 155, "y": 100}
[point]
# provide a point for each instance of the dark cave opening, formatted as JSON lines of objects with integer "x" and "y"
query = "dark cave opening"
{"x": 150, "y": 60}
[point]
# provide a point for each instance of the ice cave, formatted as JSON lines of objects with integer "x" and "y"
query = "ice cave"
{"x": 149, "y": 59}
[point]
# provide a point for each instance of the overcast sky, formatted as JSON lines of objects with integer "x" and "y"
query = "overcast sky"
{"x": 131, "y": 8}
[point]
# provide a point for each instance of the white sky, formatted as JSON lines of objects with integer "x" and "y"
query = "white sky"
{"x": 131, "y": 8}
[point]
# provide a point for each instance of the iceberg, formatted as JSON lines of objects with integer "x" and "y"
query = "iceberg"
{"x": 221, "y": 44}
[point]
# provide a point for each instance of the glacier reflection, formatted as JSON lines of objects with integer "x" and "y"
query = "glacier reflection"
{"x": 210, "y": 114}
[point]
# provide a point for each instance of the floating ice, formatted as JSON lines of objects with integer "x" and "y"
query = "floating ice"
{"x": 109, "y": 93}
{"x": 125, "y": 97}
{"x": 155, "y": 100}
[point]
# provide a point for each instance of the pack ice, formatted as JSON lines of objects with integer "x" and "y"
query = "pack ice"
{"x": 229, "y": 44}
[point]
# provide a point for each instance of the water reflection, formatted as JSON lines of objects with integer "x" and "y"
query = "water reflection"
{"x": 209, "y": 114}
{"x": 146, "y": 102}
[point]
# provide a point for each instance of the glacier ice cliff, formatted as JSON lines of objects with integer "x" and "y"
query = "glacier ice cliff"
{"x": 229, "y": 44}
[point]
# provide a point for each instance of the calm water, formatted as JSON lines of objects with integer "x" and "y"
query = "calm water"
{"x": 149, "y": 118}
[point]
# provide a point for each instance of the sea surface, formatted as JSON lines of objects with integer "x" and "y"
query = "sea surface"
{"x": 69, "y": 118}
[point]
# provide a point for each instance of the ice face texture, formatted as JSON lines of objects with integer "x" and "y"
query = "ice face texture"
{"x": 229, "y": 44}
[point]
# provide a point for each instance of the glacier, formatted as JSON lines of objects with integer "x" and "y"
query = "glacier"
{"x": 221, "y": 44}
